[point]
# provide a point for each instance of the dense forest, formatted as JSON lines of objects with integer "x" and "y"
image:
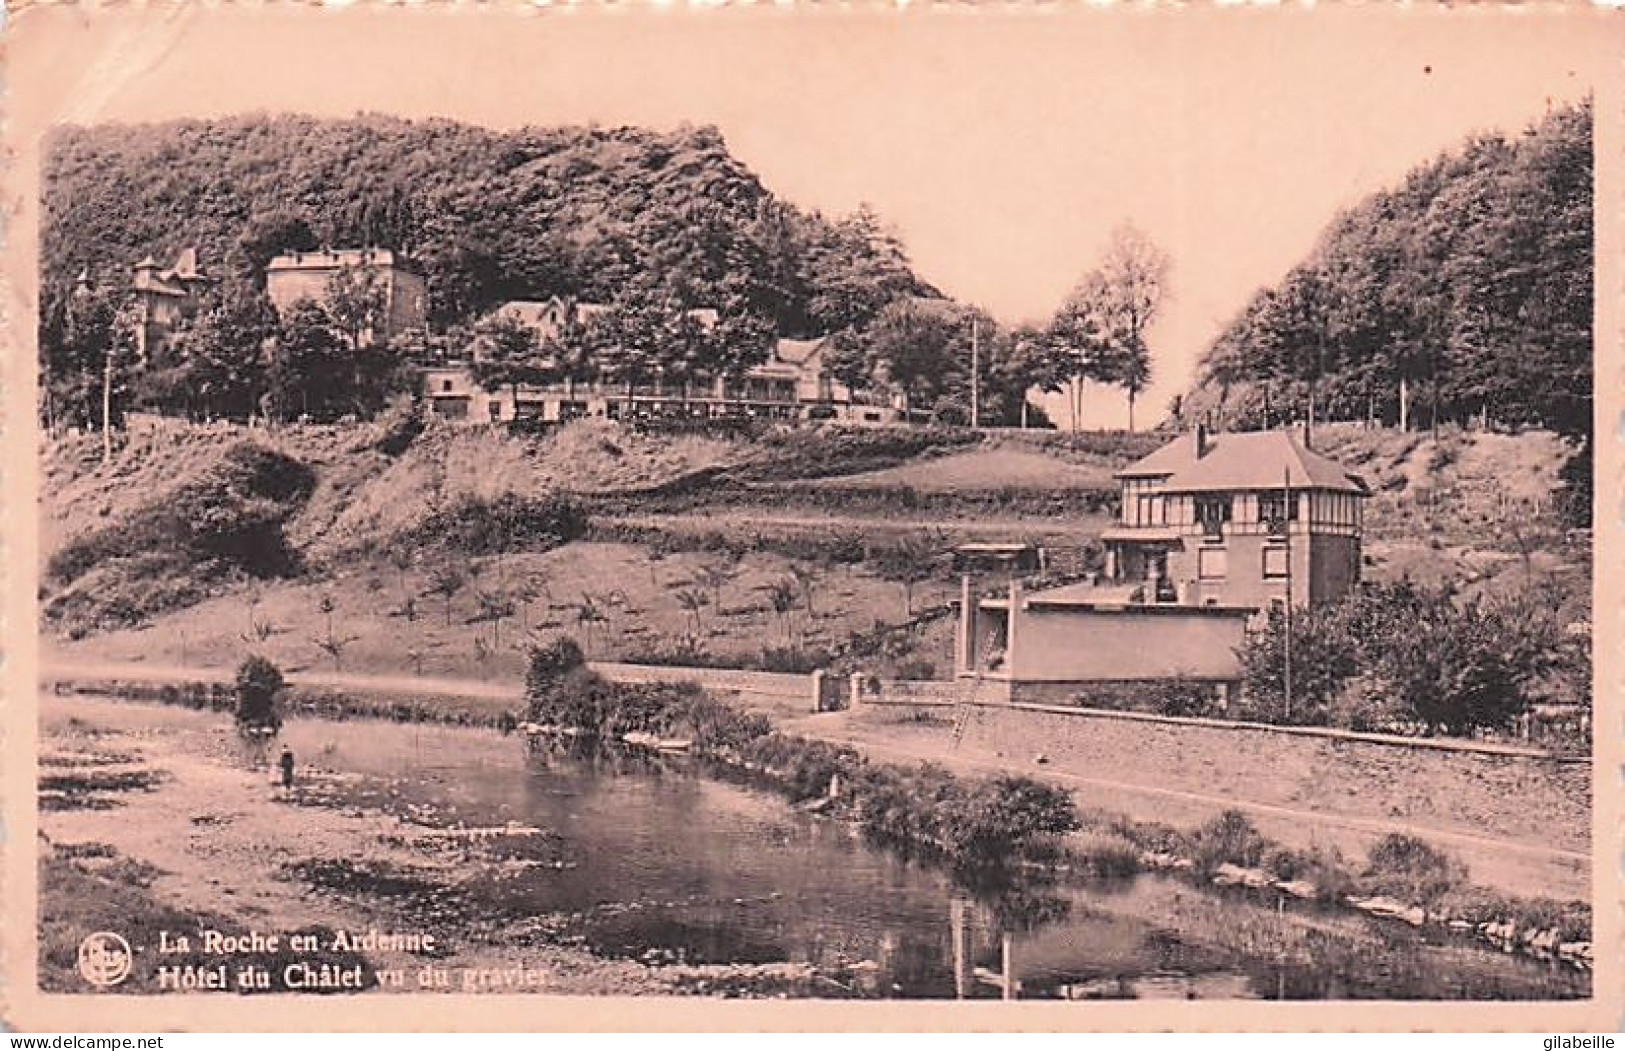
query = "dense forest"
{"x": 1463, "y": 295}
{"x": 492, "y": 215}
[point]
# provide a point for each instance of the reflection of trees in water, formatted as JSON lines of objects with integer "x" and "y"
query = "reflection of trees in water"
{"x": 597, "y": 756}
{"x": 1016, "y": 903}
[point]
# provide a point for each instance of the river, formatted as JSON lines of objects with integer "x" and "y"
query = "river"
{"x": 652, "y": 858}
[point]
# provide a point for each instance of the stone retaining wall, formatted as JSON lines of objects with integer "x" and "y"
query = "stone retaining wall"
{"x": 1496, "y": 792}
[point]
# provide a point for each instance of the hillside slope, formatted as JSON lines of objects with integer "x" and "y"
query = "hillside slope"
{"x": 1475, "y": 509}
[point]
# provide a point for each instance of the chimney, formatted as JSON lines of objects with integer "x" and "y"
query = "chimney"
{"x": 1200, "y": 437}
{"x": 1308, "y": 433}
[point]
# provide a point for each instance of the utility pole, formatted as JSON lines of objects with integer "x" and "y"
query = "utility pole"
{"x": 975, "y": 374}
{"x": 1286, "y": 489}
{"x": 107, "y": 406}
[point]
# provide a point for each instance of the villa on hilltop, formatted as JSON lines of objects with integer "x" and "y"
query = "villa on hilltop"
{"x": 165, "y": 297}
{"x": 307, "y": 275}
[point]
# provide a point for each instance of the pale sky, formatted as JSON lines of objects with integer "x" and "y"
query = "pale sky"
{"x": 1002, "y": 144}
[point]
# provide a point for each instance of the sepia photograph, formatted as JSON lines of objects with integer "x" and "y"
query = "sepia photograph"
{"x": 871, "y": 505}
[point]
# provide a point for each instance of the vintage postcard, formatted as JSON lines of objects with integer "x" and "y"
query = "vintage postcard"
{"x": 1044, "y": 516}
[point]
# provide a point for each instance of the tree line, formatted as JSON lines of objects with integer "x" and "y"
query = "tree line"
{"x": 652, "y": 226}
{"x": 959, "y": 365}
{"x": 236, "y": 357}
{"x": 1464, "y": 295}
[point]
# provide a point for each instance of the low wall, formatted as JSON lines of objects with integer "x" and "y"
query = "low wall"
{"x": 1481, "y": 790}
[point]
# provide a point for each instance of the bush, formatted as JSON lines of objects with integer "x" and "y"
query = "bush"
{"x": 1108, "y": 854}
{"x": 1179, "y": 697}
{"x": 1326, "y": 869}
{"x": 798, "y": 453}
{"x": 550, "y": 663}
{"x": 259, "y": 690}
{"x": 1412, "y": 870}
{"x": 1001, "y": 819}
{"x": 1403, "y": 654}
{"x": 1229, "y": 839}
{"x": 793, "y": 660}
{"x": 511, "y": 522}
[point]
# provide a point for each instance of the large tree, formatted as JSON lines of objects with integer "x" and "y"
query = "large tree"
{"x": 507, "y": 353}
{"x": 307, "y": 374}
{"x": 1099, "y": 332}
{"x": 1132, "y": 286}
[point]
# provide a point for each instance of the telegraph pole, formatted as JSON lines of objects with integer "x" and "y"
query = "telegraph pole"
{"x": 975, "y": 374}
{"x": 107, "y": 406}
{"x": 1286, "y": 489}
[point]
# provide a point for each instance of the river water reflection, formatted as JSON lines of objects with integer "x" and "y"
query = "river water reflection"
{"x": 650, "y": 858}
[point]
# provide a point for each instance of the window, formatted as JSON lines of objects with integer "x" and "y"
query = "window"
{"x": 445, "y": 384}
{"x": 1212, "y": 563}
{"x": 1212, "y": 512}
{"x": 1145, "y": 511}
{"x": 1275, "y": 511}
{"x": 1275, "y": 563}
{"x": 495, "y": 409}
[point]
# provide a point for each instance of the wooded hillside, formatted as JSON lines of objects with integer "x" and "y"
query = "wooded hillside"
{"x": 493, "y": 215}
{"x": 1464, "y": 293}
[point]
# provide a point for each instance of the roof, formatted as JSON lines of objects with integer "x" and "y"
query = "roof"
{"x": 332, "y": 258}
{"x": 529, "y": 311}
{"x": 186, "y": 264}
{"x": 799, "y": 351}
{"x": 1243, "y": 460}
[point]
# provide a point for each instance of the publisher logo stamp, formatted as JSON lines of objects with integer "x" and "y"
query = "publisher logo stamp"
{"x": 105, "y": 959}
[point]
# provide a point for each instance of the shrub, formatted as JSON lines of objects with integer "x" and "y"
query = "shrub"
{"x": 916, "y": 668}
{"x": 1324, "y": 655}
{"x": 554, "y": 672}
{"x": 793, "y": 660}
{"x": 1107, "y": 854}
{"x": 835, "y": 450}
{"x": 551, "y": 662}
{"x": 1413, "y": 870}
{"x": 1324, "y": 868}
{"x": 1229, "y": 839}
{"x": 998, "y": 820}
{"x": 259, "y": 689}
{"x": 511, "y": 522}
{"x": 1412, "y": 655}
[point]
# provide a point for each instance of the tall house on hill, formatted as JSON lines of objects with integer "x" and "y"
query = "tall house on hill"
{"x": 1232, "y": 519}
{"x": 306, "y": 275}
{"x": 1214, "y": 529}
{"x": 164, "y": 297}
